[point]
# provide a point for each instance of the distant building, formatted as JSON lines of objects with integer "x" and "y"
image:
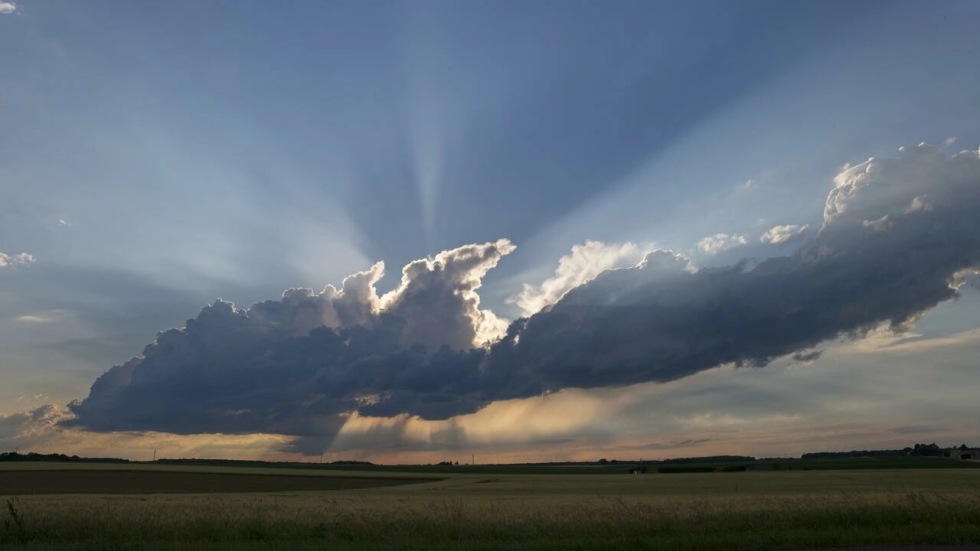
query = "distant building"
{"x": 965, "y": 454}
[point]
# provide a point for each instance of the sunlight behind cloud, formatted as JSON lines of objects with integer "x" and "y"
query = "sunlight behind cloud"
{"x": 581, "y": 265}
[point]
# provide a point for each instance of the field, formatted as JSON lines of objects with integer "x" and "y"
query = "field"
{"x": 345, "y": 509}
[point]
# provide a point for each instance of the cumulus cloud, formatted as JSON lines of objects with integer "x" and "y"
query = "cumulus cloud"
{"x": 297, "y": 364}
{"x": 13, "y": 260}
{"x": 714, "y": 244}
{"x": 437, "y": 298}
{"x": 585, "y": 262}
{"x": 7, "y": 8}
{"x": 413, "y": 352}
{"x": 782, "y": 234}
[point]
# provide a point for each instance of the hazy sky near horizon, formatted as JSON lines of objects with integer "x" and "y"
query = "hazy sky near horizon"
{"x": 157, "y": 156}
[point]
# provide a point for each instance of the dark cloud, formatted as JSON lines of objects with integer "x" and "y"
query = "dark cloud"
{"x": 807, "y": 357}
{"x": 898, "y": 237}
{"x": 297, "y": 365}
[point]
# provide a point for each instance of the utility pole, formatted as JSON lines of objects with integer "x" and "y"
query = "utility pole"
{"x": 473, "y": 459}
{"x": 154, "y": 455}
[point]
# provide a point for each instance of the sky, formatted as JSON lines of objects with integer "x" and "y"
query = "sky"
{"x": 418, "y": 231}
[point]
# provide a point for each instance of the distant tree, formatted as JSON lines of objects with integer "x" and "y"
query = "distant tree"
{"x": 927, "y": 450}
{"x": 603, "y": 461}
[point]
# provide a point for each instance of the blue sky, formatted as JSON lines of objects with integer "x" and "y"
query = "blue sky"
{"x": 155, "y": 156}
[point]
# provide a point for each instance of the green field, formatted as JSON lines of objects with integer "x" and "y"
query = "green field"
{"x": 782, "y": 509}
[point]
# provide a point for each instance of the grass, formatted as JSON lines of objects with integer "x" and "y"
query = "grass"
{"x": 753, "y": 510}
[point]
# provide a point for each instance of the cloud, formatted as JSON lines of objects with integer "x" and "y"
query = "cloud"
{"x": 714, "y": 244}
{"x": 437, "y": 298}
{"x": 881, "y": 188}
{"x": 299, "y": 365}
{"x": 22, "y": 430}
{"x": 42, "y": 430}
{"x": 14, "y": 260}
{"x": 661, "y": 322}
{"x": 7, "y": 8}
{"x": 414, "y": 353}
{"x": 782, "y": 234}
{"x": 807, "y": 357}
{"x": 585, "y": 262}
{"x": 33, "y": 319}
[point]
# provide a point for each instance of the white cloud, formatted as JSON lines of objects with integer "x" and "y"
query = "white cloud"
{"x": 19, "y": 259}
{"x": 917, "y": 204}
{"x": 438, "y": 298}
{"x": 7, "y": 8}
{"x": 714, "y": 244}
{"x": 33, "y": 319}
{"x": 584, "y": 263}
{"x": 43, "y": 316}
{"x": 890, "y": 187}
{"x": 782, "y": 234}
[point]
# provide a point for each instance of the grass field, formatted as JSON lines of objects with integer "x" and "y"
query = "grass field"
{"x": 744, "y": 510}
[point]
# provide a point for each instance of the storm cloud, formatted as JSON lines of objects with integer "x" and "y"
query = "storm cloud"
{"x": 898, "y": 237}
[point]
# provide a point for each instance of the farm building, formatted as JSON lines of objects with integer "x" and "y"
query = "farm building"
{"x": 965, "y": 454}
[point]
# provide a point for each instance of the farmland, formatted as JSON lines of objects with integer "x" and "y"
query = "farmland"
{"x": 131, "y": 481}
{"x": 346, "y": 509}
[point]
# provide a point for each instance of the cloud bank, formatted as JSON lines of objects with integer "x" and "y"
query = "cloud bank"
{"x": 7, "y": 8}
{"x": 306, "y": 364}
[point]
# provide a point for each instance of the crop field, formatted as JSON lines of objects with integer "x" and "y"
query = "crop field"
{"x": 156, "y": 482}
{"x": 740, "y": 510}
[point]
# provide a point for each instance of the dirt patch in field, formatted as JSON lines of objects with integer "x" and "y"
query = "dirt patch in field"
{"x": 162, "y": 482}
